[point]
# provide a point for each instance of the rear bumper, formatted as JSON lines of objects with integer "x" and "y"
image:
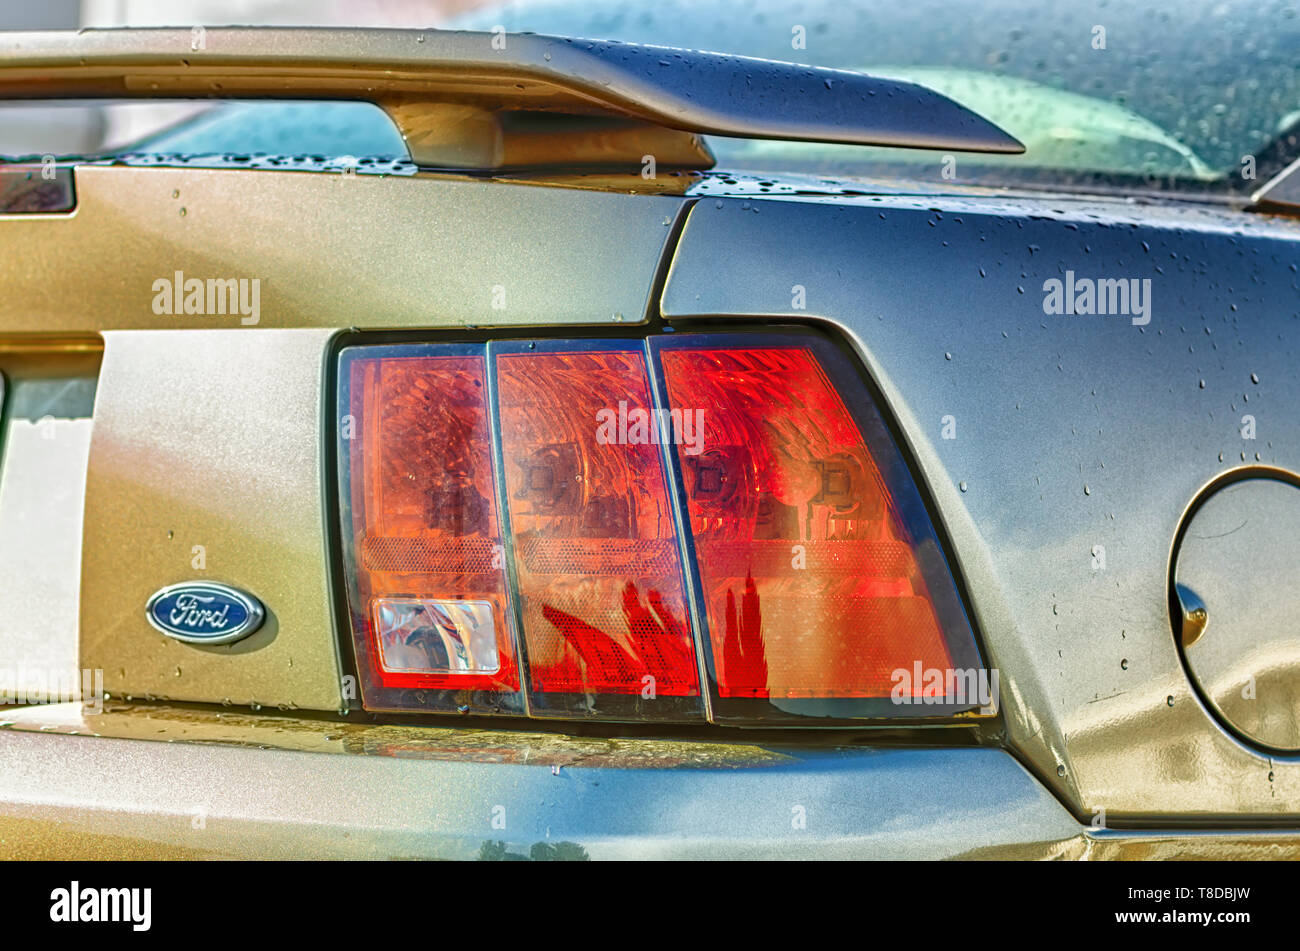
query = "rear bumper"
{"x": 234, "y": 785}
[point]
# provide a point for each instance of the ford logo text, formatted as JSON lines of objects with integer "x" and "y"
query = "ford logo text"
{"x": 203, "y": 612}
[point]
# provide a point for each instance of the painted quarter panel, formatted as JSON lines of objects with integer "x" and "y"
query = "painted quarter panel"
{"x": 333, "y": 251}
{"x": 1071, "y": 433}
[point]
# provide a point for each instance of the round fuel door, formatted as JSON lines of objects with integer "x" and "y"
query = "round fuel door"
{"x": 1235, "y": 577}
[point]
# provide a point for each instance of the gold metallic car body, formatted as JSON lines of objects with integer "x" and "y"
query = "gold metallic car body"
{"x": 211, "y": 433}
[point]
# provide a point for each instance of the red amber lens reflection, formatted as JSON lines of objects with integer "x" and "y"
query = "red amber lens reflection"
{"x": 809, "y": 580}
{"x": 596, "y": 556}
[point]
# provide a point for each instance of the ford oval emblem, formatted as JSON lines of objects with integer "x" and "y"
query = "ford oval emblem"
{"x": 203, "y": 612}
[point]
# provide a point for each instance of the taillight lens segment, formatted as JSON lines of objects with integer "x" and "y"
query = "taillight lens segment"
{"x": 817, "y": 563}
{"x": 424, "y": 558}
{"x": 597, "y": 565}
{"x": 640, "y": 517}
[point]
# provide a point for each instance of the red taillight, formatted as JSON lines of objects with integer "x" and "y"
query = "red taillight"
{"x": 512, "y": 497}
{"x": 597, "y": 569}
{"x": 806, "y": 563}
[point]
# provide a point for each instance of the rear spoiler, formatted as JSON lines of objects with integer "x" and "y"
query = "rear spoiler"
{"x": 486, "y": 101}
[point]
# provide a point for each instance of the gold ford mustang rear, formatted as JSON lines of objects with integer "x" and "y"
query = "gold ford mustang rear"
{"x": 501, "y": 480}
